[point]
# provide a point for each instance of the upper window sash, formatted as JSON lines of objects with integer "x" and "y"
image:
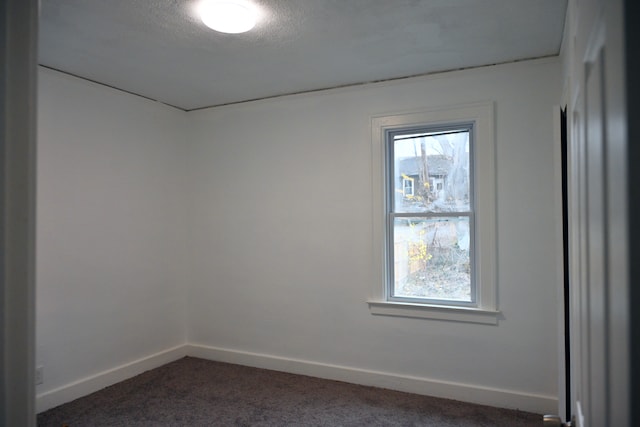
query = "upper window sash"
{"x": 410, "y": 134}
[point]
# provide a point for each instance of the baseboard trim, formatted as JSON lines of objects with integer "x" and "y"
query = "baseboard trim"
{"x": 501, "y": 398}
{"x": 529, "y": 402}
{"x": 67, "y": 393}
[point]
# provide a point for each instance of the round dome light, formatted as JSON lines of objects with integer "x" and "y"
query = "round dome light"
{"x": 228, "y": 16}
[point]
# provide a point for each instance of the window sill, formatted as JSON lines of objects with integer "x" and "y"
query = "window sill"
{"x": 437, "y": 312}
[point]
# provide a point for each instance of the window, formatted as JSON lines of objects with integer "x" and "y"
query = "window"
{"x": 429, "y": 235}
{"x": 434, "y": 198}
{"x": 407, "y": 186}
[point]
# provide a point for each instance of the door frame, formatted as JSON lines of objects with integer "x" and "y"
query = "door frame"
{"x": 18, "y": 48}
{"x": 597, "y": 41}
{"x": 631, "y": 15}
{"x": 562, "y": 243}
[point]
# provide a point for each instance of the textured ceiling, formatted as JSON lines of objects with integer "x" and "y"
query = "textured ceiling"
{"x": 159, "y": 48}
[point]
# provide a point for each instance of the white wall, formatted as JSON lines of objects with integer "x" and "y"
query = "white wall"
{"x": 110, "y": 231}
{"x": 282, "y": 250}
{"x": 246, "y": 232}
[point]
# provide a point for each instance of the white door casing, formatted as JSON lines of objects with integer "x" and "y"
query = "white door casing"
{"x": 598, "y": 217}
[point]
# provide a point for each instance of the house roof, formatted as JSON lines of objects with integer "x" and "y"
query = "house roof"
{"x": 437, "y": 164}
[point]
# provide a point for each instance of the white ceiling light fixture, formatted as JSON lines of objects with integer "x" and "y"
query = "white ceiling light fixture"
{"x": 228, "y": 16}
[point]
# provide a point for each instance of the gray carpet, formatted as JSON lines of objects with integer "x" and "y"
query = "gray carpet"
{"x": 196, "y": 392}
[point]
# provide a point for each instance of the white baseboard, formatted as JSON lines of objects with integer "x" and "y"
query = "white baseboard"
{"x": 530, "y": 402}
{"x": 88, "y": 385}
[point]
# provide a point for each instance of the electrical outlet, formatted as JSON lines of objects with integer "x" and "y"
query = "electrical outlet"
{"x": 39, "y": 374}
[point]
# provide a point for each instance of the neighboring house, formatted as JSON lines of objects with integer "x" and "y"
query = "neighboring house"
{"x": 411, "y": 171}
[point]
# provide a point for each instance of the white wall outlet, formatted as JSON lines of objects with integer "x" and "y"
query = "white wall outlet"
{"x": 39, "y": 374}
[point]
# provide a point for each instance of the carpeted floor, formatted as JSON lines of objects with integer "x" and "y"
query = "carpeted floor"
{"x": 196, "y": 392}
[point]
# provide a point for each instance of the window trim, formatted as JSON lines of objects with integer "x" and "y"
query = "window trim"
{"x": 485, "y": 309}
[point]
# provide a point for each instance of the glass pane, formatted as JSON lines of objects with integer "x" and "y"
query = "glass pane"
{"x": 431, "y": 172}
{"x": 432, "y": 258}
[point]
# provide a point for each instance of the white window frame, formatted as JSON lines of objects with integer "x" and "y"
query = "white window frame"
{"x": 484, "y": 309}
{"x": 394, "y": 212}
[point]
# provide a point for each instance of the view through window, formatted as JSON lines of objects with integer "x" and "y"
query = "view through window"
{"x": 430, "y": 214}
